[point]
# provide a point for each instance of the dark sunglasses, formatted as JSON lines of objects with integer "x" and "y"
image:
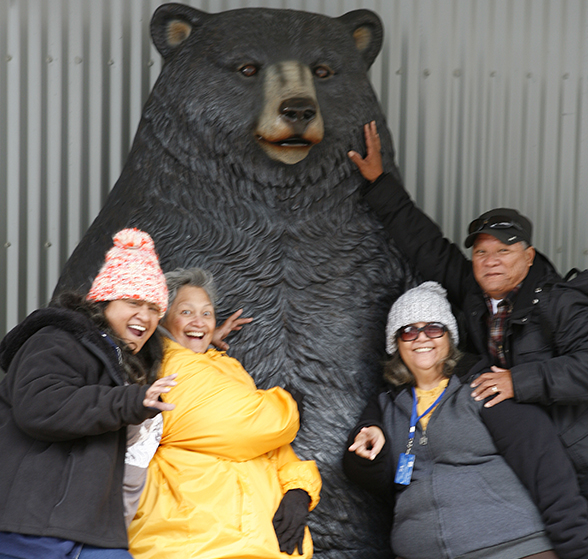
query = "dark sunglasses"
{"x": 432, "y": 330}
{"x": 495, "y": 222}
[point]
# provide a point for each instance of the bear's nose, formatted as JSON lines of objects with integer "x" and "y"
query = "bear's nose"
{"x": 298, "y": 112}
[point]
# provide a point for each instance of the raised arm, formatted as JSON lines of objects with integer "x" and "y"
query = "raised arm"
{"x": 419, "y": 238}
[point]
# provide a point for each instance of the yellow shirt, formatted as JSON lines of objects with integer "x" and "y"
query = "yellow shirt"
{"x": 222, "y": 467}
{"x": 425, "y": 398}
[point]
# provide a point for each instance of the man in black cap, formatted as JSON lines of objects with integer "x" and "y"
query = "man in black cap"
{"x": 518, "y": 313}
{"x": 535, "y": 333}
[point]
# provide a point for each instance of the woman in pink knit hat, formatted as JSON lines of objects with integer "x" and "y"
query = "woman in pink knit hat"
{"x": 77, "y": 373}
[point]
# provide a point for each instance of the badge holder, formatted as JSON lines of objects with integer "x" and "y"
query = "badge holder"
{"x": 406, "y": 460}
{"x": 406, "y": 463}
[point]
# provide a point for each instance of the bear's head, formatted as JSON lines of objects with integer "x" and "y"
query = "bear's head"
{"x": 278, "y": 95}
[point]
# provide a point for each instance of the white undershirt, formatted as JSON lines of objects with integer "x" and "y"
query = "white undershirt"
{"x": 495, "y": 303}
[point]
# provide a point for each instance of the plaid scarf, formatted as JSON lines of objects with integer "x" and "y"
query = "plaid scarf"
{"x": 496, "y": 322}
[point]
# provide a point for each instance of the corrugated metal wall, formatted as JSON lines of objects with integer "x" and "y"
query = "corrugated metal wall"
{"x": 487, "y": 101}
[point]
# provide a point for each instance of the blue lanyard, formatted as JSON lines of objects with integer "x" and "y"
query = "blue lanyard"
{"x": 414, "y": 419}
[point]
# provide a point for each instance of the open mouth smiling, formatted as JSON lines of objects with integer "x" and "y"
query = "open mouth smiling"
{"x": 137, "y": 329}
{"x": 197, "y": 335}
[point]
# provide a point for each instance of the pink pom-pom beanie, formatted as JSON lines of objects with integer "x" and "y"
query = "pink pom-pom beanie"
{"x": 131, "y": 271}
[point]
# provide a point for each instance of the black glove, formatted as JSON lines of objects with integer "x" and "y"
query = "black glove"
{"x": 290, "y": 520}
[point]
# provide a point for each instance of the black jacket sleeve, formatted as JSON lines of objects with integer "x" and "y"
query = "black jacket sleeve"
{"x": 526, "y": 437}
{"x": 375, "y": 475}
{"x": 420, "y": 239}
{"x": 55, "y": 394}
{"x": 562, "y": 379}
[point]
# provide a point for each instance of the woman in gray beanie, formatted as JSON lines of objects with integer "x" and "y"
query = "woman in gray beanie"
{"x": 423, "y": 443}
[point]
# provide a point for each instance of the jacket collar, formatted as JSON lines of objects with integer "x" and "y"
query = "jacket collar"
{"x": 72, "y": 322}
{"x": 541, "y": 272}
{"x": 403, "y": 399}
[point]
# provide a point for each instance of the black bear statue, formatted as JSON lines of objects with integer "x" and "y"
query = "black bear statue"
{"x": 240, "y": 166}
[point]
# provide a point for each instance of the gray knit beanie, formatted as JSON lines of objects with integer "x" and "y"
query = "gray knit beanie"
{"x": 425, "y": 303}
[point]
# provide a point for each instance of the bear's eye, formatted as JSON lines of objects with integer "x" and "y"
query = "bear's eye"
{"x": 322, "y": 72}
{"x": 248, "y": 70}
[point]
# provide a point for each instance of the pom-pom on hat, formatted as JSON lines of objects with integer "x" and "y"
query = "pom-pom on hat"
{"x": 425, "y": 303}
{"x": 131, "y": 271}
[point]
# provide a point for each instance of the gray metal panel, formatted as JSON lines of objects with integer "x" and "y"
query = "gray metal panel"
{"x": 487, "y": 101}
{"x": 14, "y": 150}
{"x": 53, "y": 239}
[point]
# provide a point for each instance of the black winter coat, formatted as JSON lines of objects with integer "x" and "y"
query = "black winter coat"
{"x": 63, "y": 412}
{"x": 545, "y": 338}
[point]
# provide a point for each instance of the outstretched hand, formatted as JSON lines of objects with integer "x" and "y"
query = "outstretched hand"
{"x": 368, "y": 442}
{"x": 233, "y": 323}
{"x": 369, "y": 166}
{"x": 160, "y": 386}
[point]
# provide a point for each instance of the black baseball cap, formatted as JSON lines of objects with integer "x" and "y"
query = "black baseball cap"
{"x": 506, "y": 224}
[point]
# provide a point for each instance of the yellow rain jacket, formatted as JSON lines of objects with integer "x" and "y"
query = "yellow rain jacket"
{"x": 222, "y": 467}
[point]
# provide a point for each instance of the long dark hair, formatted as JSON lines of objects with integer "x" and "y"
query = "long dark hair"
{"x": 141, "y": 367}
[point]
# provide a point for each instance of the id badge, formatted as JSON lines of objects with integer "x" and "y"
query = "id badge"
{"x": 404, "y": 471}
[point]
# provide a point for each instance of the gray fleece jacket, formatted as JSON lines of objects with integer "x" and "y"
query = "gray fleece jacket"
{"x": 463, "y": 501}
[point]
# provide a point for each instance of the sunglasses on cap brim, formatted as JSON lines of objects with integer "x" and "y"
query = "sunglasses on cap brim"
{"x": 495, "y": 222}
{"x": 432, "y": 330}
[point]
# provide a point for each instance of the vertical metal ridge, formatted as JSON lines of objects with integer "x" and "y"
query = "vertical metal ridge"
{"x": 97, "y": 61}
{"x": 3, "y": 163}
{"x": 33, "y": 138}
{"x": 14, "y": 151}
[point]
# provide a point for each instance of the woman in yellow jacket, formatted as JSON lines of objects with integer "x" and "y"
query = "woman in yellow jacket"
{"x": 224, "y": 481}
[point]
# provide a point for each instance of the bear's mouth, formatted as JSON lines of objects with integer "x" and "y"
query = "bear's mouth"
{"x": 289, "y": 146}
{"x": 290, "y": 150}
{"x": 291, "y": 142}
{"x": 294, "y": 142}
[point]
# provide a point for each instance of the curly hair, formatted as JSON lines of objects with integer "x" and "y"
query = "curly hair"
{"x": 141, "y": 367}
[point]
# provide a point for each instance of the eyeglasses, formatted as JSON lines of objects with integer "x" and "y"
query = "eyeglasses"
{"x": 432, "y": 330}
{"x": 495, "y": 222}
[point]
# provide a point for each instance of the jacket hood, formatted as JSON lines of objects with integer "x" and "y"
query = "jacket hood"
{"x": 75, "y": 323}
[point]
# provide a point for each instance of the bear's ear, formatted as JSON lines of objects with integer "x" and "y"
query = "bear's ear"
{"x": 368, "y": 32}
{"x": 172, "y": 24}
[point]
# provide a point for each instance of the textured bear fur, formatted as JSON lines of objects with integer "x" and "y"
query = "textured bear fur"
{"x": 240, "y": 166}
